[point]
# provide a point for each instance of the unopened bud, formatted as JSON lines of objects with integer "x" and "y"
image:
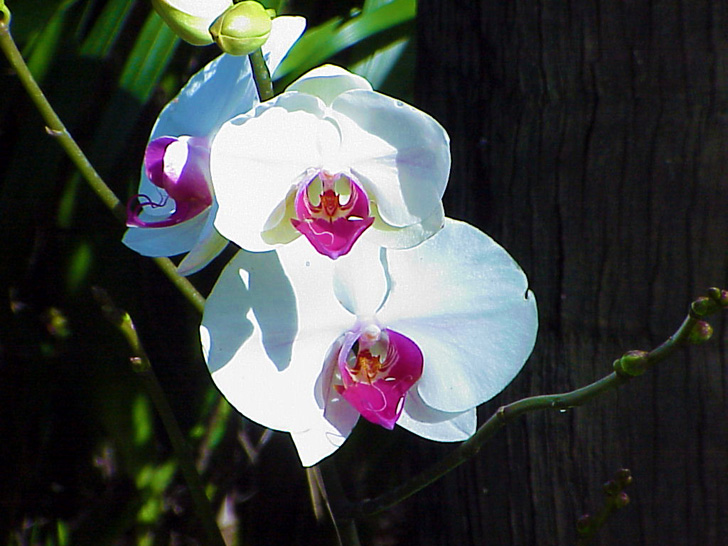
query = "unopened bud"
{"x": 623, "y": 477}
{"x": 611, "y": 488}
{"x": 703, "y": 306}
{"x": 718, "y": 296}
{"x": 632, "y": 363}
{"x": 4, "y": 13}
{"x": 701, "y": 332}
{"x": 191, "y": 19}
{"x": 243, "y": 28}
{"x": 621, "y": 500}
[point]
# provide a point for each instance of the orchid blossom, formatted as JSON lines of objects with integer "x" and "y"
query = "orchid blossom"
{"x": 416, "y": 338}
{"x": 174, "y": 211}
{"x": 334, "y": 161}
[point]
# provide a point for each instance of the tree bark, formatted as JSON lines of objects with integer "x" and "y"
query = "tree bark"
{"x": 590, "y": 139}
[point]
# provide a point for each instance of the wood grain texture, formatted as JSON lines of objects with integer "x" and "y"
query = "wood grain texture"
{"x": 591, "y": 139}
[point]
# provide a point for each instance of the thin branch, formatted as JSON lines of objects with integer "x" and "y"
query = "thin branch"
{"x": 142, "y": 366}
{"x": 261, "y": 75}
{"x": 56, "y": 129}
{"x": 630, "y": 365}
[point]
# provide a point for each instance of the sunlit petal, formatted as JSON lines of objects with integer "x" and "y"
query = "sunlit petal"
{"x": 266, "y": 329}
{"x": 432, "y": 424}
{"x": 409, "y": 171}
{"x": 258, "y": 158}
{"x": 328, "y": 82}
{"x": 470, "y": 312}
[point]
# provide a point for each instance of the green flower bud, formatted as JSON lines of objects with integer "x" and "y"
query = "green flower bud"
{"x": 703, "y": 306}
{"x": 4, "y": 13}
{"x": 718, "y": 296}
{"x": 243, "y": 28}
{"x": 191, "y": 19}
{"x": 701, "y": 332}
{"x": 621, "y": 500}
{"x": 632, "y": 363}
{"x": 623, "y": 477}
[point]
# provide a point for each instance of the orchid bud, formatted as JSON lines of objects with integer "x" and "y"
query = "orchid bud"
{"x": 4, "y": 13}
{"x": 701, "y": 332}
{"x": 243, "y": 28}
{"x": 632, "y": 363}
{"x": 191, "y": 19}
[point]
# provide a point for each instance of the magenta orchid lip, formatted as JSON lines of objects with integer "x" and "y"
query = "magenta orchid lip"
{"x": 179, "y": 167}
{"x": 334, "y": 222}
{"x": 375, "y": 369}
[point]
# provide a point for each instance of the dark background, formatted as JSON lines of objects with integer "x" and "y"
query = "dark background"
{"x": 588, "y": 138}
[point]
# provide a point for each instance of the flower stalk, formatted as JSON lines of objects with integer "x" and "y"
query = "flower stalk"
{"x": 717, "y": 301}
{"x": 57, "y": 129}
{"x": 142, "y": 366}
{"x": 261, "y": 75}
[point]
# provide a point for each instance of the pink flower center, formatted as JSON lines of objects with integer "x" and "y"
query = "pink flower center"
{"x": 332, "y": 212}
{"x": 376, "y": 373}
{"x": 180, "y": 168}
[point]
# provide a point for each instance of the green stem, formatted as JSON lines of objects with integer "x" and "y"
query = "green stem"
{"x": 563, "y": 401}
{"x": 142, "y": 366}
{"x": 329, "y": 483}
{"x": 56, "y": 129}
{"x": 261, "y": 75}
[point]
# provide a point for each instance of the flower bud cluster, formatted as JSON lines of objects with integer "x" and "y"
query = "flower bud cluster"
{"x": 238, "y": 28}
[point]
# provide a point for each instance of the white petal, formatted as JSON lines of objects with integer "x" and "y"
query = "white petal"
{"x": 436, "y": 425}
{"x": 166, "y": 241}
{"x": 360, "y": 283}
{"x": 256, "y": 160}
{"x": 465, "y": 302}
{"x": 284, "y": 33}
{"x": 328, "y": 82}
{"x": 407, "y": 176}
{"x": 387, "y": 236}
{"x": 322, "y": 440}
{"x": 221, "y": 90}
{"x": 266, "y": 328}
{"x": 208, "y": 247}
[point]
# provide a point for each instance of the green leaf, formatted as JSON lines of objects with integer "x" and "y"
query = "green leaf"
{"x": 324, "y": 41}
{"x": 149, "y": 58}
{"x": 107, "y": 29}
{"x": 43, "y": 46}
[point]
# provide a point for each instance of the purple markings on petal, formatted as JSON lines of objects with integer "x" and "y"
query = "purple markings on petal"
{"x": 180, "y": 168}
{"x": 332, "y": 225}
{"x": 377, "y": 372}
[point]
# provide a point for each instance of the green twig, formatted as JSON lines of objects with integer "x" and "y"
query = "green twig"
{"x": 143, "y": 368}
{"x": 630, "y": 365}
{"x": 614, "y": 499}
{"x": 261, "y": 75}
{"x": 56, "y": 129}
{"x": 327, "y": 478}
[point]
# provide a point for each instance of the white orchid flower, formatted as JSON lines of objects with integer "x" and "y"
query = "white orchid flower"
{"x": 332, "y": 160}
{"x": 174, "y": 210}
{"x": 417, "y": 338}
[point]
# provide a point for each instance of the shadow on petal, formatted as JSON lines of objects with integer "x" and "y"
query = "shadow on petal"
{"x": 257, "y": 282}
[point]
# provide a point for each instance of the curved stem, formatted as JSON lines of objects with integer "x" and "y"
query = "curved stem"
{"x": 56, "y": 129}
{"x": 631, "y": 365}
